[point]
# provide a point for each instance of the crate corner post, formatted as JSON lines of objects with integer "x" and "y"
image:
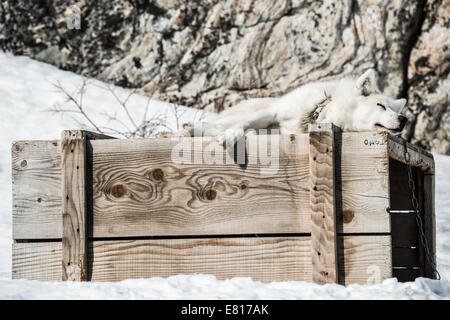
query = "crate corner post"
{"x": 430, "y": 218}
{"x": 323, "y": 202}
{"x": 73, "y": 181}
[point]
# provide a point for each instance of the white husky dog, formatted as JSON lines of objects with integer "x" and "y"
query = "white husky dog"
{"x": 351, "y": 104}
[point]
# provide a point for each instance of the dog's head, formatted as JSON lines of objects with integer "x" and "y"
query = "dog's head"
{"x": 374, "y": 110}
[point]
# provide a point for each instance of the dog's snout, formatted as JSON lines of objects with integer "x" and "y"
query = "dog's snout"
{"x": 403, "y": 120}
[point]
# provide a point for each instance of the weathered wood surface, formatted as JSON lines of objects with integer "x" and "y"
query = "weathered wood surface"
{"x": 36, "y": 188}
{"x": 139, "y": 190}
{"x": 362, "y": 178}
{"x": 37, "y": 261}
{"x": 418, "y": 157}
{"x": 323, "y": 203}
{"x": 367, "y": 258}
{"x": 74, "y": 206}
{"x": 363, "y": 182}
{"x": 364, "y": 259}
{"x": 429, "y": 220}
{"x": 264, "y": 258}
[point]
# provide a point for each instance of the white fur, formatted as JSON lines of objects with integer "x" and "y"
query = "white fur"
{"x": 350, "y": 104}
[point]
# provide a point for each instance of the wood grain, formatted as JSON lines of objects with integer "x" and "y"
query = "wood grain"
{"x": 36, "y": 189}
{"x": 361, "y": 258}
{"x": 139, "y": 190}
{"x": 419, "y": 157}
{"x": 363, "y": 183}
{"x": 37, "y": 261}
{"x": 323, "y": 203}
{"x": 74, "y": 209}
{"x": 430, "y": 220}
{"x": 265, "y": 259}
{"x": 364, "y": 259}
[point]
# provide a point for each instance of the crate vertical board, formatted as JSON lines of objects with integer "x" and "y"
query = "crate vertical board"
{"x": 323, "y": 203}
{"x": 363, "y": 180}
{"x": 364, "y": 259}
{"x": 430, "y": 220}
{"x": 74, "y": 206}
{"x": 36, "y": 194}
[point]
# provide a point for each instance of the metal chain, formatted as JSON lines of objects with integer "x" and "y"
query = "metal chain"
{"x": 415, "y": 203}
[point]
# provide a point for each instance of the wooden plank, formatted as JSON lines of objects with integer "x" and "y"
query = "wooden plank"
{"x": 262, "y": 258}
{"x": 362, "y": 181}
{"x": 364, "y": 259}
{"x": 74, "y": 209}
{"x": 418, "y": 156}
{"x": 148, "y": 187}
{"x": 323, "y": 203}
{"x": 36, "y": 189}
{"x": 37, "y": 261}
{"x": 429, "y": 220}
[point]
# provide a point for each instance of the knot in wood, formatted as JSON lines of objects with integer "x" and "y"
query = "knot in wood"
{"x": 210, "y": 194}
{"x": 23, "y": 163}
{"x": 158, "y": 174}
{"x": 348, "y": 216}
{"x": 118, "y": 190}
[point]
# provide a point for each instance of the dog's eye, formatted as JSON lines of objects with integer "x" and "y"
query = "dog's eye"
{"x": 379, "y": 104}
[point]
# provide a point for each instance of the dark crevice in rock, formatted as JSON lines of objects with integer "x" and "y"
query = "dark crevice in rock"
{"x": 411, "y": 39}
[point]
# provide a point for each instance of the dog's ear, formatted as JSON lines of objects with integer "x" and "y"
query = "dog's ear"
{"x": 398, "y": 105}
{"x": 367, "y": 84}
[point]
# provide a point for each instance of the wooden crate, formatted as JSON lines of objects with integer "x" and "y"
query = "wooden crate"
{"x": 87, "y": 207}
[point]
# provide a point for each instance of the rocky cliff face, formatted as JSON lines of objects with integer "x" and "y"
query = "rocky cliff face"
{"x": 211, "y": 54}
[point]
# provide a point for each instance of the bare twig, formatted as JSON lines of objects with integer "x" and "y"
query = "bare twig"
{"x": 147, "y": 127}
{"x": 123, "y": 103}
{"x": 78, "y": 104}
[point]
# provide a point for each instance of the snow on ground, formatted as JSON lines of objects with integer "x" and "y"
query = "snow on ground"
{"x": 27, "y": 91}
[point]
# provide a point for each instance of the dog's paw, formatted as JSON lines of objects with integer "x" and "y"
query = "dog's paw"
{"x": 233, "y": 135}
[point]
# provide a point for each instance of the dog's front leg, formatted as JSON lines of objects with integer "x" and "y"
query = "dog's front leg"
{"x": 259, "y": 120}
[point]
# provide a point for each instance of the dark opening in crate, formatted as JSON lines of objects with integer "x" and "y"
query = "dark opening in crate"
{"x": 408, "y": 253}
